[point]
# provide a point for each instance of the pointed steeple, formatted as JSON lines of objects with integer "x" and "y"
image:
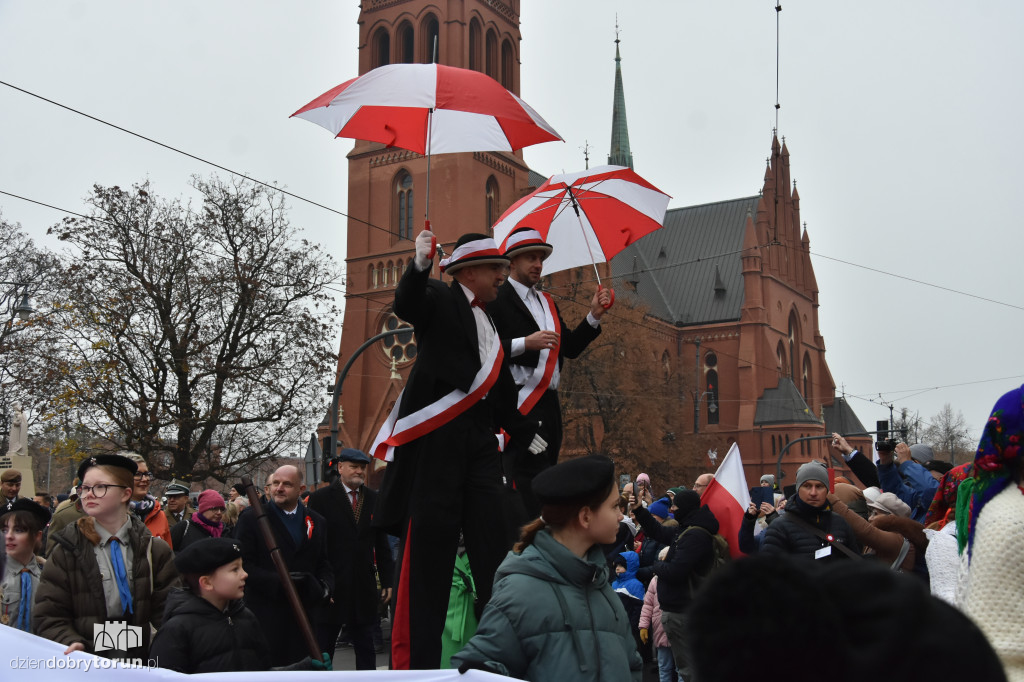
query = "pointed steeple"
{"x": 619, "y": 154}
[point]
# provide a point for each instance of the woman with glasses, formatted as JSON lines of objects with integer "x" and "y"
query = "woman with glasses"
{"x": 106, "y": 570}
{"x": 146, "y": 506}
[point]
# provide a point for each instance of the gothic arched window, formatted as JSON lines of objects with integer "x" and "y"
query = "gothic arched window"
{"x": 507, "y": 60}
{"x": 492, "y": 198}
{"x": 712, "y": 396}
{"x": 403, "y": 205}
{"x": 794, "y": 345}
{"x": 475, "y": 45}
{"x": 430, "y": 30}
{"x": 406, "y": 43}
{"x": 806, "y": 377}
{"x": 491, "y": 54}
{"x": 381, "y": 49}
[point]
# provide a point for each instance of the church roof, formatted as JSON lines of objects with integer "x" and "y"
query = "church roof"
{"x": 690, "y": 271}
{"x": 840, "y": 418}
{"x": 783, "y": 405}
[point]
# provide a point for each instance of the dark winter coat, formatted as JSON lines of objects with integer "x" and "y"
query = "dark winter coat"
{"x": 69, "y": 600}
{"x": 196, "y": 637}
{"x": 553, "y": 616}
{"x": 689, "y": 556}
{"x": 788, "y": 536}
{"x": 264, "y": 594}
{"x": 357, "y": 551}
{"x": 187, "y": 532}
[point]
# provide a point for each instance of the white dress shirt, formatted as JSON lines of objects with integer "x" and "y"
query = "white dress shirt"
{"x": 531, "y": 299}
{"x": 485, "y": 332}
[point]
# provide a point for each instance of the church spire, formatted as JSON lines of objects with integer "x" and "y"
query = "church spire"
{"x": 619, "y": 154}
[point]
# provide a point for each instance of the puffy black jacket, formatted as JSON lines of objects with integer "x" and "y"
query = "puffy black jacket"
{"x": 689, "y": 556}
{"x": 788, "y": 536}
{"x": 197, "y": 638}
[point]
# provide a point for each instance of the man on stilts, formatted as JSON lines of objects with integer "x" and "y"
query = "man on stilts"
{"x": 444, "y": 473}
{"x": 536, "y": 340}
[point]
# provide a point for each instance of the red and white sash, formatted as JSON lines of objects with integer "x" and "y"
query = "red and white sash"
{"x": 540, "y": 380}
{"x": 397, "y": 431}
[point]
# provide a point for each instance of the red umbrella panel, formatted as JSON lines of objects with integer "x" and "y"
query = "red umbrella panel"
{"x": 429, "y": 109}
{"x": 588, "y": 217}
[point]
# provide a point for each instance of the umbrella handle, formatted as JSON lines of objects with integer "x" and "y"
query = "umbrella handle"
{"x": 600, "y": 288}
{"x": 433, "y": 240}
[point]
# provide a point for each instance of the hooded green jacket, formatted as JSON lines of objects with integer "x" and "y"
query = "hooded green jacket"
{"x": 553, "y": 616}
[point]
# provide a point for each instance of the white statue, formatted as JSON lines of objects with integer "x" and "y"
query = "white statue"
{"x": 19, "y": 433}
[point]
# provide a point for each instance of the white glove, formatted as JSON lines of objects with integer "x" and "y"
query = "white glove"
{"x": 424, "y": 250}
{"x": 663, "y": 554}
{"x": 538, "y": 445}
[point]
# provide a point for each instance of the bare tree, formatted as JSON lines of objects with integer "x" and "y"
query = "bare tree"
{"x": 199, "y": 338}
{"x": 26, "y": 274}
{"x": 908, "y": 426}
{"x": 948, "y": 435}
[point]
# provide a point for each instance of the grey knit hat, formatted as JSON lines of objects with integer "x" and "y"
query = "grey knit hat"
{"x": 811, "y": 471}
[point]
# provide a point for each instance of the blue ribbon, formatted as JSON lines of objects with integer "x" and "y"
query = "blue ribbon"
{"x": 25, "y": 607}
{"x": 121, "y": 573}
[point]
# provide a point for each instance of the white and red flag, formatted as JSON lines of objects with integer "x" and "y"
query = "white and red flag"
{"x": 728, "y": 498}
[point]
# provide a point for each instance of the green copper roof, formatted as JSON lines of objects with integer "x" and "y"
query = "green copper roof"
{"x": 619, "y": 154}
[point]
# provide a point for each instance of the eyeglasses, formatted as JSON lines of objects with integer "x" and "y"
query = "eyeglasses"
{"x": 98, "y": 490}
{"x": 144, "y": 475}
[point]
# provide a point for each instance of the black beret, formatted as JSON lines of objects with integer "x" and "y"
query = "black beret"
{"x": 574, "y": 480}
{"x": 31, "y": 506}
{"x": 107, "y": 460}
{"x": 207, "y": 555}
{"x": 353, "y": 455}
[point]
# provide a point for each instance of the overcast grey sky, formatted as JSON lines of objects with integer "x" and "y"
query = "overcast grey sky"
{"x": 902, "y": 119}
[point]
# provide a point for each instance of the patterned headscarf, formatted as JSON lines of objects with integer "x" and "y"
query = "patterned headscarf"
{"x": 998, "y": 456}
{"x": 945, "y": 496}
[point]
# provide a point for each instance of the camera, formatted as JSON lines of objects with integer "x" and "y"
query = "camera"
{"x": 887, "y": 445}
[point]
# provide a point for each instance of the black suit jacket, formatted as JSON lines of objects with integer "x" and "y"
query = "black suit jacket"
{"x": 514, "y": 320}
{"x": 358, "y": 552}
{"x": 447, "y": 357}
{"x": 263, "y": 592}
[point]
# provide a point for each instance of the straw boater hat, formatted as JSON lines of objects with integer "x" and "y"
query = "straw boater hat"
{"x": 525, "y": 239}
{"x": 472, "y": 249}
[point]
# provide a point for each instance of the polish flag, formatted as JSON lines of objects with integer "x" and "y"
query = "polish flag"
{"x": 728, "y": 498}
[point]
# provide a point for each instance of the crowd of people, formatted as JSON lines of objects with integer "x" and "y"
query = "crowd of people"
{"x": 200, "y": 582}
{"x": 487, "y": 553}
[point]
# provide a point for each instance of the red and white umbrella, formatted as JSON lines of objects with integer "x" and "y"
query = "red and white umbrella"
{"x": 588, "y": 217}
{"x": 430, "y": 109}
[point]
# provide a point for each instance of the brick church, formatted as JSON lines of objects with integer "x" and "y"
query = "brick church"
{"x": 737, "y": 329}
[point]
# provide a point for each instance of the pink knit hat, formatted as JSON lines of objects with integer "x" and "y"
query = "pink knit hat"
{"x": 210, "y": 499}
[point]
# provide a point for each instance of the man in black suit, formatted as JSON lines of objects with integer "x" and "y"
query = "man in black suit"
{"x": 445, "y": 473}
{"x": 358, "y": 553}
{"x": 536, "y": 341}
{"x": 301, "y": 535}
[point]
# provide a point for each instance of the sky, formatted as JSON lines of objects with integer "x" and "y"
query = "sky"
{"x": 902, "y": 121}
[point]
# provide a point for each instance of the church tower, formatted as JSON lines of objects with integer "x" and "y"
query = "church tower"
{"x": 387, "y": 190}
{"x": 619, "y": 154}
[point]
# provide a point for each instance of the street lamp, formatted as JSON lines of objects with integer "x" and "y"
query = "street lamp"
{"x": 24, "y": 310}
{"x": 336, "y": 392}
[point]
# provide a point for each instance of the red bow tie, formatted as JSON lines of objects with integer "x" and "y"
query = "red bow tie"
{"x": 477, "y": 303}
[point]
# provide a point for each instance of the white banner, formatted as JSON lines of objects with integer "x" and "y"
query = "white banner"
{"x": 43, "y": 659}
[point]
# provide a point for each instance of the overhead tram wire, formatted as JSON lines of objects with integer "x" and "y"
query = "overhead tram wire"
{"x": 196, "y": 158}
{"x": 157, "y": 237}
{"x": 384, "y": 229}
